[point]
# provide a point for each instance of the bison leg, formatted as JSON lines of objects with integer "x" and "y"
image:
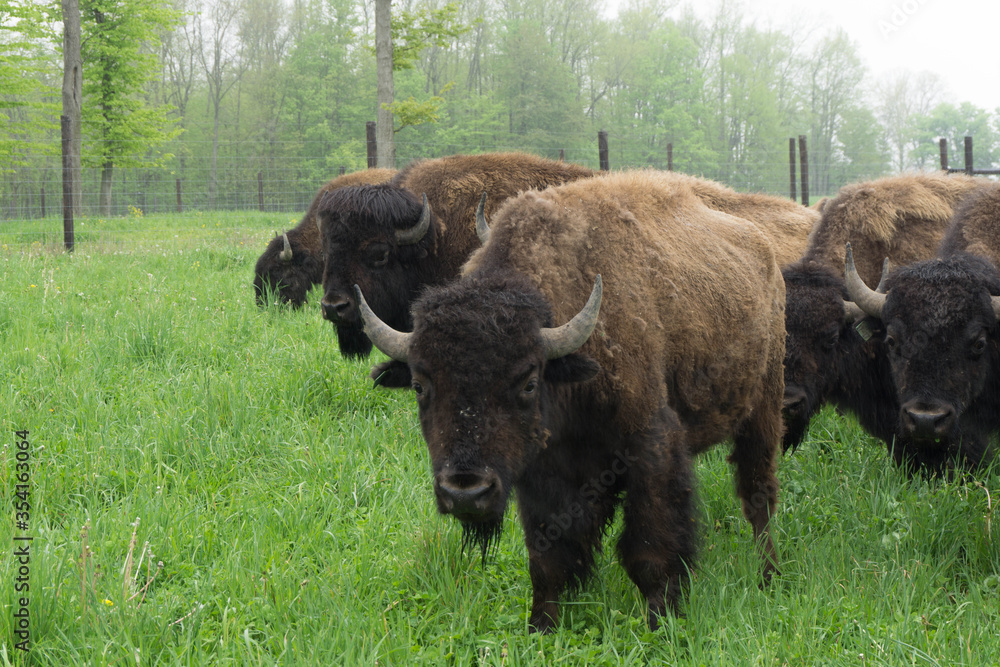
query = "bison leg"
{"x": 755, "y": 445}
{"x": 657, "y": 546}
{"x": 563, "y": 521}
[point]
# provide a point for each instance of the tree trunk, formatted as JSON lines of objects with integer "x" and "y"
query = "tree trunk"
{"x": 107, "y": 172}
{"x": 383, "y": 64}
{"x": 213, "y": 176}
{"x": 72, "y": 94}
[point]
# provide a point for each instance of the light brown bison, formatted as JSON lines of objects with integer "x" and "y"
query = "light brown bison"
{"x": 383, "y": 239}
{"x": 902, "y": 218}
{"x": 685, "y": 352}
{"x": 293, "y": 261}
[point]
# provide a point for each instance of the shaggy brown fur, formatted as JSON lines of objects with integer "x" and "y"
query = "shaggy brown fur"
{"x": 291, "y": 280}
{"x": 976, "y": 226}
{"x": 786, "y": 224}
{"x": 693, "y": 310}
{"x": 900, "y": 217}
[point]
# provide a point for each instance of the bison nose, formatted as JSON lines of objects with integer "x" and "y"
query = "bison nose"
{"x": 794, "y": 399}
{"x": 468, "y": 495}
{"x": 927, "y": 420}
{"x": 335, "y": 309}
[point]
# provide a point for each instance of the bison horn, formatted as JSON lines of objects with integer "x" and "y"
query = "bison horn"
{"x": 852, "y": 313}
{"x": 867, "y": 299}
{"x": 286, "y": 254}
{"x": 482, "y": 227}
{"x": 996, "y": 306}
{"x": 418, "y": 231}
{"x": 396, "y": 344}
{"x": 560, "y": 341}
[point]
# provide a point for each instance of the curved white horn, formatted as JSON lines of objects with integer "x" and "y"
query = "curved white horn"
{"x": 482, "y": 227}
{"x": 396, "y": 344}
{"x": 419, "y": 230}
{"x": 868, "y": 300}
{"x": 560, "y": 341}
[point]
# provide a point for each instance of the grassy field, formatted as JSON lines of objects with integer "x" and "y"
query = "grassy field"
{"x": 212, "y": 483}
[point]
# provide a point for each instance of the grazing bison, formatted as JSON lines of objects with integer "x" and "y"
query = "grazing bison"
{"x": 939, "y": 328}
{"x": 293, "y": 261}
{"x": 686, "y": 352}
{"x": 900, "y": 217}
{"x": 385, "y": 240}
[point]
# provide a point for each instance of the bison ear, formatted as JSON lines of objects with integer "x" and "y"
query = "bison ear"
{"x": 391, "y": 374}
{"x": 571, "y": 368}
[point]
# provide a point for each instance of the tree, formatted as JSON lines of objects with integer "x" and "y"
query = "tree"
{"x": 900, "y": 97}
{"x": 24, "y": 107}
{"x": 72, "y": 101}
{"x": 120, "y": 43}
{"x": 835, "y": 72}
{"x": 954, "y": 123}
{"x": 650, "y": 90}
{"x": 386, "y": 146}
{"x": 222, "y": 60}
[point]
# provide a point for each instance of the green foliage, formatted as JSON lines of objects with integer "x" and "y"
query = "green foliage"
{"x": 119, "y": 43}
{"x": 410, "y": 112}
{"x": 26, "y": 87}
{"x": 415, "y": 31}
{"x": 954, "y": 123}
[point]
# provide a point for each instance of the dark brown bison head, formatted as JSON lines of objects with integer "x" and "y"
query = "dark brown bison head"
{"x": 822, "y": 347}
{"x": 486, "y": 368}
{"x": 940, "y": 330}
{"x": 378, "y": 237}
{"x": 286, "y": 271}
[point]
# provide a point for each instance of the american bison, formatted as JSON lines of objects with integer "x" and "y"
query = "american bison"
{"x": 686, "y": 352}
{"x": 386, "y": 240}
{"x": 939, "y": 328}
{"x": 293, "y": 261}
{"x": 826, "y": 360}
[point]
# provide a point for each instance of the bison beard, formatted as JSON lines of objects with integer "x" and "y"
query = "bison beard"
{"x": 483, "y": 534}
{"x": 353, "y": 342}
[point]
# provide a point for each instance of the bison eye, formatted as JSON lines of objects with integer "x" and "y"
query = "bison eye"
{"x": 890, "y": 343}
{"x": 418, "y": 388}
{"x": 381, "y": 260}
{"x": 978, "y": 346}
{"x": 530, "y": 387}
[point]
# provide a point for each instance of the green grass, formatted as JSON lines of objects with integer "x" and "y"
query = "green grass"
{"x": 291, "y": 505}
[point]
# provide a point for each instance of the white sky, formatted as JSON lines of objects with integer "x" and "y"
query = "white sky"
{"x": 957, "y": 39}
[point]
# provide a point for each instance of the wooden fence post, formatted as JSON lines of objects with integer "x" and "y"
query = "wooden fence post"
{"x": 602, "y": 150}
{"x": 67, "y": 164}
{"x": 670, "y": 156}
{"x": 260, "y": 190}
{"x": 943, "y": 149}
{"x": 372, "y": 144}
{"x": 43, "y": 201}
{"x": 343, "y": 170}
{"x": 804, "y": 169}
{"x": 562, "y": 154}
{"x": 791, "y": 168}
{"x": 968, "y": 156}
{"x": 180, "y": 207}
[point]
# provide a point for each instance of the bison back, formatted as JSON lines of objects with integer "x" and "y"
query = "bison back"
{"x": 693, "y": 307}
